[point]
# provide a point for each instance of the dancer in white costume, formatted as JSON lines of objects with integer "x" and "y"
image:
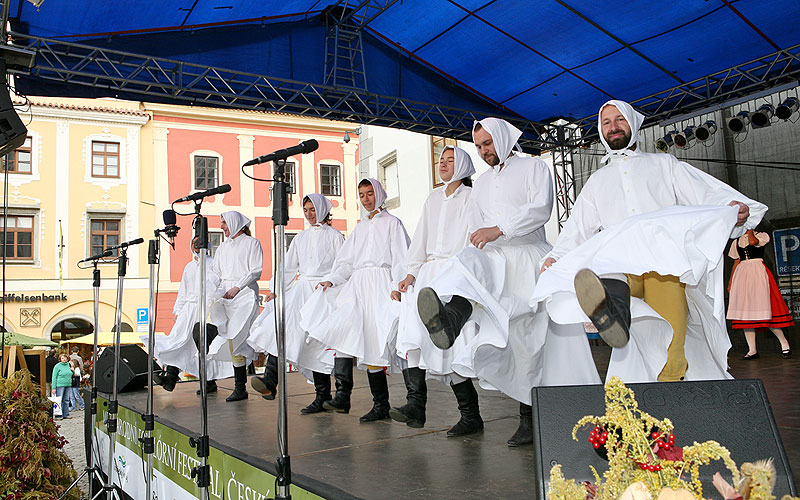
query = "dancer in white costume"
{"x": 310, "y": 257}
{"x": 351, "y": 311}
{"x": 238, "y": 262}
{"x": 443, "y": 230}
{"x": 515, "y": 349}
{"x": 670, "y": 254}
{"x": 178, "y": 350}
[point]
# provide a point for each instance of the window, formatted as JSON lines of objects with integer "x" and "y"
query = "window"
{"x": 437, "y": 146}
{"x": 19, "y": 237}
{"x": 105, "y": 159}
{"x": 105, "y": 233}
{"x": 390, "y": 178}
{"x": 289, "y": 238}
{"x": 205, "y": 172}
{"x": 215, "y": 239}
{"x": 330, "y": 180}
{"x": 19, "y": 160}
{"x": 289, "y": 170}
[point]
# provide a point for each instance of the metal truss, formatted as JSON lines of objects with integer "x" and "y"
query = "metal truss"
{"x": 563, "y": 170}
{"x": 738, "y": 81}
{"x": 165, "y": 80}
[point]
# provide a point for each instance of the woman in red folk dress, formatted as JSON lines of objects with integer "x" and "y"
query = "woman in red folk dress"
{"x": 755, "y": 301}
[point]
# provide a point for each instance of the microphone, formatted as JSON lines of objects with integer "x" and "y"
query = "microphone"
{"x": 127, "y": 244}
{"x": 170, "y": 229}
{"x": 107, "y": 253}
{"x": 202, "y": 194}
{"x": 281, "y": 154}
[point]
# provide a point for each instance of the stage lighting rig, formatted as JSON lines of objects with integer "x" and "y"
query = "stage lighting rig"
{"x": 705, "y": 131}
{"x": 787, "y": 108}
{"x": 762, "y": 116}
{"x": 666, "y": 142}
{"x": 737, "y": 124}
{"x": 682, "y": 139}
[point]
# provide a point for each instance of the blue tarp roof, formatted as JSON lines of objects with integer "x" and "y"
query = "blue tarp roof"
{"x": 535, "y": 59}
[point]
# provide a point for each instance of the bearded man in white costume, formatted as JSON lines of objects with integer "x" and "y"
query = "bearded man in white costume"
{"x": 352, "y": 312}
{"x": 178, "y": 350}
{"x": 310, "y": 258}
{"x": 442, "y": 230}
{"x": 515, "y": 348}
{"x": 649, "y": 226}
{"x": 238, "y": 262}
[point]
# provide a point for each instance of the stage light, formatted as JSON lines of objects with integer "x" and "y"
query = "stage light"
{"x": 682, "y": 139}
{"x": 347, "y": 133}
{"x": 36, "y": 3}
{"x": 739, "y": 123}
{"x": 762, "y": 116}
{"x": 787, "y": 107}
{"x": 666, "y": 142}
{"x": 705, "y": 131}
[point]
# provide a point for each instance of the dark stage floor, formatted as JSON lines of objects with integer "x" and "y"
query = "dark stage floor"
{"x": 359, "y": 459}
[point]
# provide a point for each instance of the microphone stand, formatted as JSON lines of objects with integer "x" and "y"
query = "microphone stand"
{"x": 201, "y": 473}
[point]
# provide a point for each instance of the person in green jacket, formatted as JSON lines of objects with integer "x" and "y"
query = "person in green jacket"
{"x": 62, "y": 383}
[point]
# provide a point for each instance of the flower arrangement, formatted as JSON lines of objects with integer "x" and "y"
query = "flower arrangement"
{"x": 644, "y": 461}
{"x": 32, "y": 464}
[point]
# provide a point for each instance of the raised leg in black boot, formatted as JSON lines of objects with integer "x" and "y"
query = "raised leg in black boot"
{"x": 170, "y": 377}
{"x": 443, "y": 321}
{"x": 267, "y": 385}
{"x": 240, "y": 384}
{"x": 413, "y": 412}
{"x": 524, "y": 434}
{"x": 343, "y": 374}
{"x": 322, "y": 388}
{"x": 379, "y": 387}
{"x": 607, "y": 302}
{"x": 471, "y": 421}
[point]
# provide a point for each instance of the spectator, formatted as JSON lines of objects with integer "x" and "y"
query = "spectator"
{"x": 62, "y": 384}
{"x": 50, "y": 362}
{"x": 77, "y": 357}
{"x": 76, "y": 399}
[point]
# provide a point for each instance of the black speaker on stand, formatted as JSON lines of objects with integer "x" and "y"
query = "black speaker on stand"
{"x": 735, "y": 413}
{"x": 132, "y": 369}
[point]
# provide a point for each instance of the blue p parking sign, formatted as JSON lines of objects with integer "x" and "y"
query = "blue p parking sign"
{"x": 787, "y": 251}
{"x": 142, "y": 316}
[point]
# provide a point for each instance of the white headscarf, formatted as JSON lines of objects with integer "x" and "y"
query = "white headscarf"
{"x": 634, "y": 119}
{"x": 235, "y": 221}
{"x": 504, "y": 136}
{"x": 322, "y": 205}
{"x": 380, "y": 193}
{"x": 462, "y": 164}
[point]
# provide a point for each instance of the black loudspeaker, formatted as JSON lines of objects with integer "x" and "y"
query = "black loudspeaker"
{"x": 132, "y": 369}
{"x": 735, "y": 413}
{"x": 12, "y": 131}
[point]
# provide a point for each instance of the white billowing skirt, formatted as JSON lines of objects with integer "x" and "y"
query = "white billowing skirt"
{"x": 178, "y": 348}
{"x": 239, "y": 312}
{"x": 306, "y": 353}
{"x": 514, "y": 349}
{"x": 680, "y": 241}
{"x": 357, "y": 319}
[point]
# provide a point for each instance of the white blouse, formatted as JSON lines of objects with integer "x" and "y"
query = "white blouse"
{"x": 238, "y": 262}
{"x": 312, "y": 253}
{"x": 189, "y": 289}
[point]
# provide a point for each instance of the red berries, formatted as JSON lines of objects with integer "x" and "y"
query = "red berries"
{"x": 598, "y": 437}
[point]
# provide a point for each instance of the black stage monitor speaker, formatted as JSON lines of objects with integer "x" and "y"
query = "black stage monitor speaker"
{"x": 12, "y": 131}
{"x": 735, "y": 413}
{"x": 132, "y": 369}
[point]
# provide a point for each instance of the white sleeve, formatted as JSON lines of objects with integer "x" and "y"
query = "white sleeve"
{"x": 582, "y": 224}
{"x": 291, "y": 264}
{"x": 345, "y": 258}
{"x": 694, "y": 187}
{"x": 417, "y": 253}
{"x": 398, "y": 246}
{"x": 536, "y": 212}
{"x": 180, "y": 300}
{"x": 254, "y": 262}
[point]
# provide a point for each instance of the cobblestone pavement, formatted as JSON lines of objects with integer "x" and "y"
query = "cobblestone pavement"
{"x": 72, "y": 430}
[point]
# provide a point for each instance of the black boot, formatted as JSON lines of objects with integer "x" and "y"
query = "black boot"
{"x": 240, "y": 384}
{"x": 170, "y": 377}
{"x": 322, "y": 387}
{"x": 380, "y": 397}
{"x": 267, "y": 385}
{"x": 211, "y": 386}
{"x": 524, "y": 434}
{"x": 471, "y": 421}
{"x": 343, "y": 374}
{"x": 443, "y": 322}
{"x": 413, "y": 412}
{"x": 607, "y": 302}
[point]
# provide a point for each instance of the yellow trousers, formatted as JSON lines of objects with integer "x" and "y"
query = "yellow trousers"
{"x": 667, "y": 296}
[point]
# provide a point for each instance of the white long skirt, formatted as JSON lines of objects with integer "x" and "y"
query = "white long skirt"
{"x": 357, "y": 319}
{"x": 511, "y": 348}
{"x": 687, "y": 242}
{"x": 307, "y": 354}
{"x": 240, "y": 312}
{"x": 178, "y": 348}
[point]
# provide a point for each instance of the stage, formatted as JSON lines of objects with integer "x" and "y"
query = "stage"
{"x": 335, "y": 456}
